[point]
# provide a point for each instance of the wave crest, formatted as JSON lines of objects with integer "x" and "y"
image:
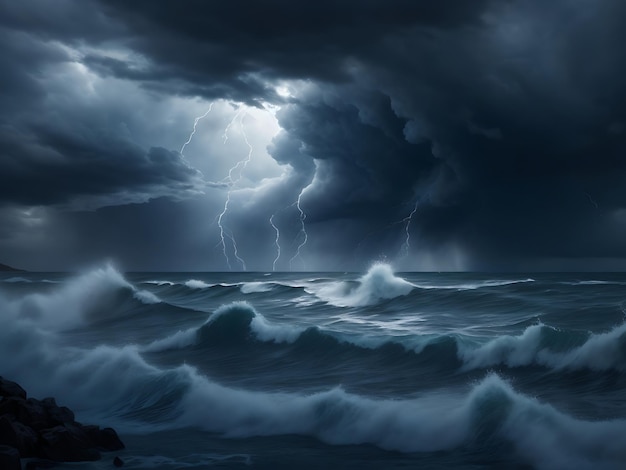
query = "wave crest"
{"x": 231, "y": 323}
{"x": 546, "y": 346}
{"x": 379, "y": 283}
{"x": 95, "y": 295}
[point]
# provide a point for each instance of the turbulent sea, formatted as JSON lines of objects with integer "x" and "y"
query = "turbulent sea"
{"x": 368, "y": 370}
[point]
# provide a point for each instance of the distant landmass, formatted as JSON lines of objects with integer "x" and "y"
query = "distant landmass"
{"x": 4, "y": 267}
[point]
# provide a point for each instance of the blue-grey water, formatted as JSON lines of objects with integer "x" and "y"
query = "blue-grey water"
{"x": 310, "y": 370}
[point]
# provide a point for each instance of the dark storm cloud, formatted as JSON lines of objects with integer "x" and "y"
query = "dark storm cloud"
{"x": 56, "y": 147}
{"x": 230, "y": 49}
{"x": 501, "y": 123}
{"x": 51, "y": 165}
{"x": 525, "y": 123}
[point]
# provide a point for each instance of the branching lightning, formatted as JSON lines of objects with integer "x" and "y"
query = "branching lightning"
{"x": 276, "y": 242}
{"x": 232, "y": 181}
{"x": 305, "y": 236}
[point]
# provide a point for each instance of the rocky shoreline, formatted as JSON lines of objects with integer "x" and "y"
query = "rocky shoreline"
{"x": 46, "y": 433}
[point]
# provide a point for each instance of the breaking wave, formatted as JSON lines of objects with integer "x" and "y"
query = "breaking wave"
{"x": 118, "y": 387}
{"x": 256, "y": 287}
{"x": 379, "y": 283}
{"x": 542, "y": 345}
{"x": 229, "y": 323}
{"x": 197, "y": 284}
{"x": 96, "y": 295}
{"x": 538, "y": 345}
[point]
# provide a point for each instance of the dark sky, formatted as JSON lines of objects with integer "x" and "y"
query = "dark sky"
{"x": 436, "y": 135}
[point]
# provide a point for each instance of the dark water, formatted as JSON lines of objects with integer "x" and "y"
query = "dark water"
{"x": 269, "y": 370}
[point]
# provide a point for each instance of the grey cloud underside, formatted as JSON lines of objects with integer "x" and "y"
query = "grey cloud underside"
{"x": 521, "y": 104}
{"x": 504, "y": 120}
{"x": 58, "y": 148}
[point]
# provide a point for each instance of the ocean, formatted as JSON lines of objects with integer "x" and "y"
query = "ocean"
{"x": 375, "y": 370}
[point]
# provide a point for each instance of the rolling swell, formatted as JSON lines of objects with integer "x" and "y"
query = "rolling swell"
{"x": 118, "y": 387}
{"x": 539, "y": 345}
{"x": 490, "y": 414}
{"x": 230, "y": 324}
{"x": 555, "y": 349}
{"x": 239, "y": 323}
{"x": 94, "y": 296}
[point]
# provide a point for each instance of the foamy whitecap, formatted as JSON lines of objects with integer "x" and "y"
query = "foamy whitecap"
{"x": 230, "y": 317}
{"x": 91, "y": 296}
{"x": 179, "y": 340}
{"x": 601, "y": 351}
{"x": 256, "y": 287}
{"x": 377, "y": 284}
{"x": 116, "y": 386}
{"x": 197, "y": 284}
{"x": 146, "y": 297}
{"x": 541, "y": 435}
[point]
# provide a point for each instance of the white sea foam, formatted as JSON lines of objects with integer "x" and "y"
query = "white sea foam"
{"x": 601, "y": 351}
{"x": 146, "y": 297}
{"x": 197, "y": 284}
{"x": 159, "y": 283}
{"x": 116, "y": 386}
{"x": 377, "y": 284}
{"x": 259, "y": 326}
{"x": 271, "y": 332}
{"x": 256, "y": 287}
{"x": 545, "y": 437}
{"x": 179, "y": 340}
{"x": 90, "y": 296}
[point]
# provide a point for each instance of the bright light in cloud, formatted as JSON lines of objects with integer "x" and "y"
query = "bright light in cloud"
{"x": 283, "y": 91}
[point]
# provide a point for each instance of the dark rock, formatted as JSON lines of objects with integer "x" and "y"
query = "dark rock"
{"x": 104, "y": 439}
{"x": 8, "y": 436}
{"x": 118, "y": 462}
{"x": 4, "y": 267}
{"x": 11, "y": 406}
{"x": 42, "y": 429}
{"x": 35, "y": 415}
{"x": 57, "y": 414}
{"x": 15, "y": 434}
{"x": 67, "y": 443}
{"x": 30, "y": 412}
{"x": 109, "y": 440}
{"x": 9, "y": 458}
{"x": 11, "y": 389}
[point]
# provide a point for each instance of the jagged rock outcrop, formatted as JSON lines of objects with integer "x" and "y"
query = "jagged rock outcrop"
{"x": 4, "y": 267}
{"x": 42, "y": 429}
{"x": 9, "y": 458}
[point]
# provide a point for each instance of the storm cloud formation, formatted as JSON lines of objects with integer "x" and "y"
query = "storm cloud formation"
{"x": 439, "y": 135}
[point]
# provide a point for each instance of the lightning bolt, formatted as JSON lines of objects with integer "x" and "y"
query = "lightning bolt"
{"x": 276, "y": 242}
{"x": 305, "y": 236}
{"x": 407, "y": 221}
{"x": 232, "y": 183}
{"x": 230, "y": 124}
{"x": 193, "y": 132}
